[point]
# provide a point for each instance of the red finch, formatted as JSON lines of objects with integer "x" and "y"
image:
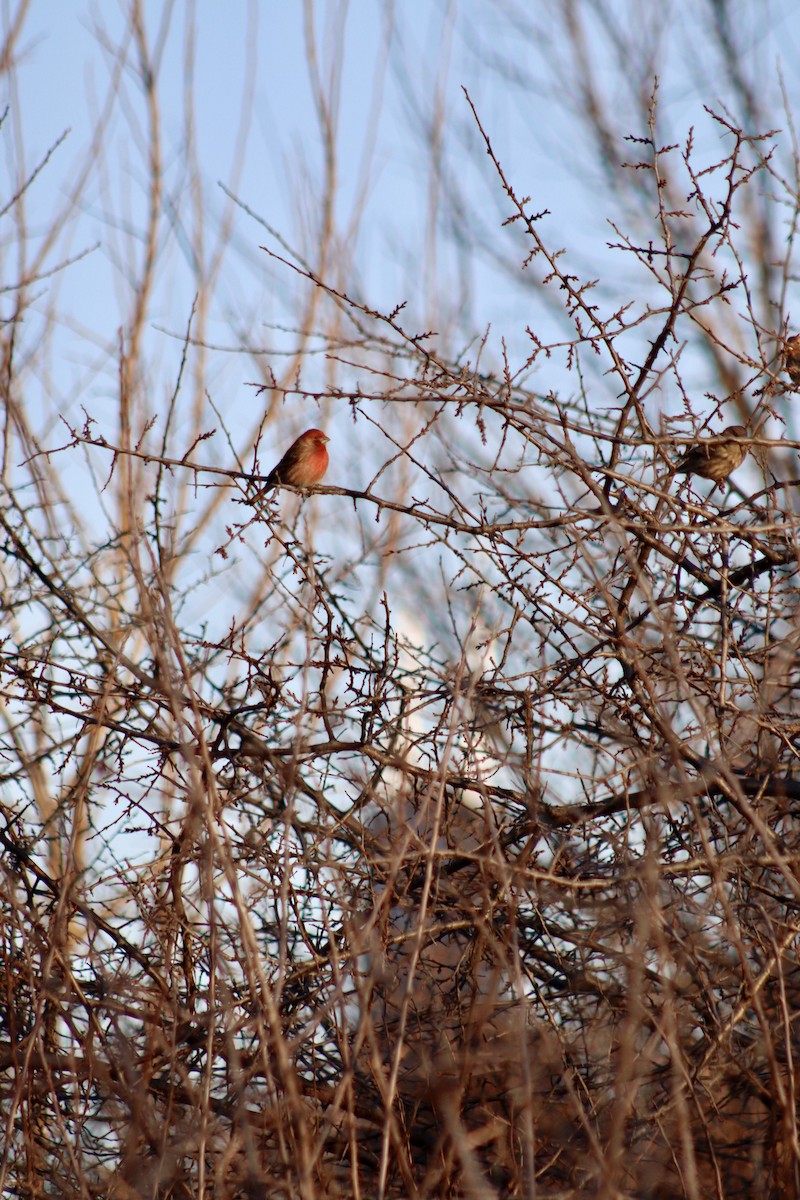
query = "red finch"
{"x": 715, "y": 457}
{"x": 303, "y": 464}
{"x": 791, "y": 358}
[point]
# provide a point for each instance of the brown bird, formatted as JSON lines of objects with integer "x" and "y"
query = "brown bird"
{"x": 303, "y": 464}
{"x": 791, "y": 358}
{"x": 715, "y": 457}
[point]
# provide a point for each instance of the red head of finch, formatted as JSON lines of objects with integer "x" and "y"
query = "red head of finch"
{"x": 715, "y": 457}
{"x": 303, "y": 464}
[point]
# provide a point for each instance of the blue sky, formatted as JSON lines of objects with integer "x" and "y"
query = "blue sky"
{"x": 256, "y": 130}
{"x": 249, "y": 91}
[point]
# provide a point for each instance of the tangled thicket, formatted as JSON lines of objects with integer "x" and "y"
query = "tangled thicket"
{"x": 435, "y": 836}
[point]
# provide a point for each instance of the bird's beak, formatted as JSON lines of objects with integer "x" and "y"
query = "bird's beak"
{"x": 325, "y": 438}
